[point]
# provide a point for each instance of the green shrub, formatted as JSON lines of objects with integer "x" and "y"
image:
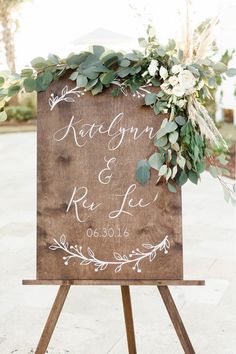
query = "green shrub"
{"x": 21, "y": 113}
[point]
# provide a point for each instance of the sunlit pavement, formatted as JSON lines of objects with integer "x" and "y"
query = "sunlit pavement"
{"x": 92, "y": 319}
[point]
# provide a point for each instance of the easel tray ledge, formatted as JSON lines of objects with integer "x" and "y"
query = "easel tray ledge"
{"x": 180, "y": 282}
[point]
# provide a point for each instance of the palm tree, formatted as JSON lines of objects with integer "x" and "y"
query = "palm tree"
{"x": 8, "y": 27}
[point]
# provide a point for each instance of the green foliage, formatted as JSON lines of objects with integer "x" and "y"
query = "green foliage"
{"x": 179, "y": 149}
{"x": 21, "y": 113}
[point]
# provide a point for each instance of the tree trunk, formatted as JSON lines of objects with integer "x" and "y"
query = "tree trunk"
{"x": 8, "y": 39}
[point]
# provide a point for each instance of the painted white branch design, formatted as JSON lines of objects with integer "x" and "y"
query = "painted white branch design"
{"x": 134, "y": 258}
{"x": 141, "y": 92}
{"x": 69, "y": 95}
{"x": 66, "y": 96}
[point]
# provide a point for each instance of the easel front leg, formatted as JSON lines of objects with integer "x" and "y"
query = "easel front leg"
{"x": 176, "y": 319}
{"x": 52, "y": 319}
{"x": 128, "y": 319}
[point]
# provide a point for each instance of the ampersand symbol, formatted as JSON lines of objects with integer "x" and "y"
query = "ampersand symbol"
{"x": 103, "y": 176}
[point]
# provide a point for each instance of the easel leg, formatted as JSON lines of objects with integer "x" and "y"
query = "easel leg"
{"x": 176, "y": 319}
{"x": 128, "y": 319}
{"x": 52, "y": 319}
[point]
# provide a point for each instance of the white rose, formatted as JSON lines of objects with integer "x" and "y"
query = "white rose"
{"x": 178, "y": 90}
{"x": 152, "y": 69}
{"x": 166, "y": 88}
{"x": 181, "y": 103}
{"x": 163, "y": 73}
{"x": 173, "y": 80}
{"x": 176, "y": 69}
{"x": 187, "y": 79}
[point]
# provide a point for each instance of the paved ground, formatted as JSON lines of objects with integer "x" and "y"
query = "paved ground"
{"x": 92, "y": 320}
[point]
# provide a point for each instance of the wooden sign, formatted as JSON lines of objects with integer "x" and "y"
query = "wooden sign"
{"x": 95, "y": 220}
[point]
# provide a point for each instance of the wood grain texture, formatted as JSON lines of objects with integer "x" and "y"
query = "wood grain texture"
{"x": 62, "y": 165}
{"x": 116, "y": 282}
{"x": 176, "y": 320}
{"x": 129, "y": 323}
{"x": 52, "y": 319}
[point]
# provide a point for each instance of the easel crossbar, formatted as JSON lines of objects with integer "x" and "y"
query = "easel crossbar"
{"x": 115, "y": 282}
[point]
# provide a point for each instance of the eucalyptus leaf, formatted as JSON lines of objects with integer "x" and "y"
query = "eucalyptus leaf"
{"x": 107, "y": 78}
{"x": 161, "y": 52}
{"x": 43, "y": 81}
{"x": 81, "y": 81}
{"x": 53, "y": 59}
{"x": 26, "y": 72}
{"x": 231, "y": 72}
{"x": 74, "y": 76}
{"x": 97, "y": 88}
{"x": 219, "y": 68}
{"x": 200, "y": 167}
{"x": 98, "y": 50}
{"x": 193, "y": 176}
{"x": 155, "y": 82}
{"x": 163, "y": 170}
{"x": 76, "y": 59}
{"x": 13, "y": 90}
{"x": 143, "y": 171}
{"x": 124, "y": 63}
{"x": 132, "y": 56}
{"x": 180, "y": 120}
{"x": 161, "y": 142}
{"x": 173, "y": 137}
{"x": 170, "y": 127}
{"x": 171, "y": 188}
{"x": 38, "y": 63}
{"x": 142, "y": 42}
{"x": 174, "y": 171}
{"x": 212, "y": 82}
{"x": 150, "y": 98}
{"x": 91, "y": 84}
{"x": 124, "y": 72}
{"x": 181, "y": 161}
{"x": 156, "y": 160}
{"x": 182, "y": 178}
{"x": 29, "y": 84}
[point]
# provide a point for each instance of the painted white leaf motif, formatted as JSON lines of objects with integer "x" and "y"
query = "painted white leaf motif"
{"x": 152, "y": 256}
{"x": 64, "y": 91}
{"x": 134, "y": 258}
{"x": 90, "y": 252}
{"x": 53, "y": 247}
{"x": 117, "y": 256}
{"x": 66, "y": 96}
{"x": 63, "y": 239}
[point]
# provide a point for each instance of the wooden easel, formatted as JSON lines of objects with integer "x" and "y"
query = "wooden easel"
{"x": 162, "y": 286}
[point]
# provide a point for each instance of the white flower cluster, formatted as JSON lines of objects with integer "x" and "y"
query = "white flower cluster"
{"x": 180, "y": 82}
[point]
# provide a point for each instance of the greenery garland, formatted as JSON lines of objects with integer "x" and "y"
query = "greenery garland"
{"x": 181, "y": 145}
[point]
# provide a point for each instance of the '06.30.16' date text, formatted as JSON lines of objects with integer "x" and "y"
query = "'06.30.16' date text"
{"x": 107, "y": 232}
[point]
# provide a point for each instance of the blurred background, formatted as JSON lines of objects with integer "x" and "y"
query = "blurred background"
{"x": 34, "y": 28}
